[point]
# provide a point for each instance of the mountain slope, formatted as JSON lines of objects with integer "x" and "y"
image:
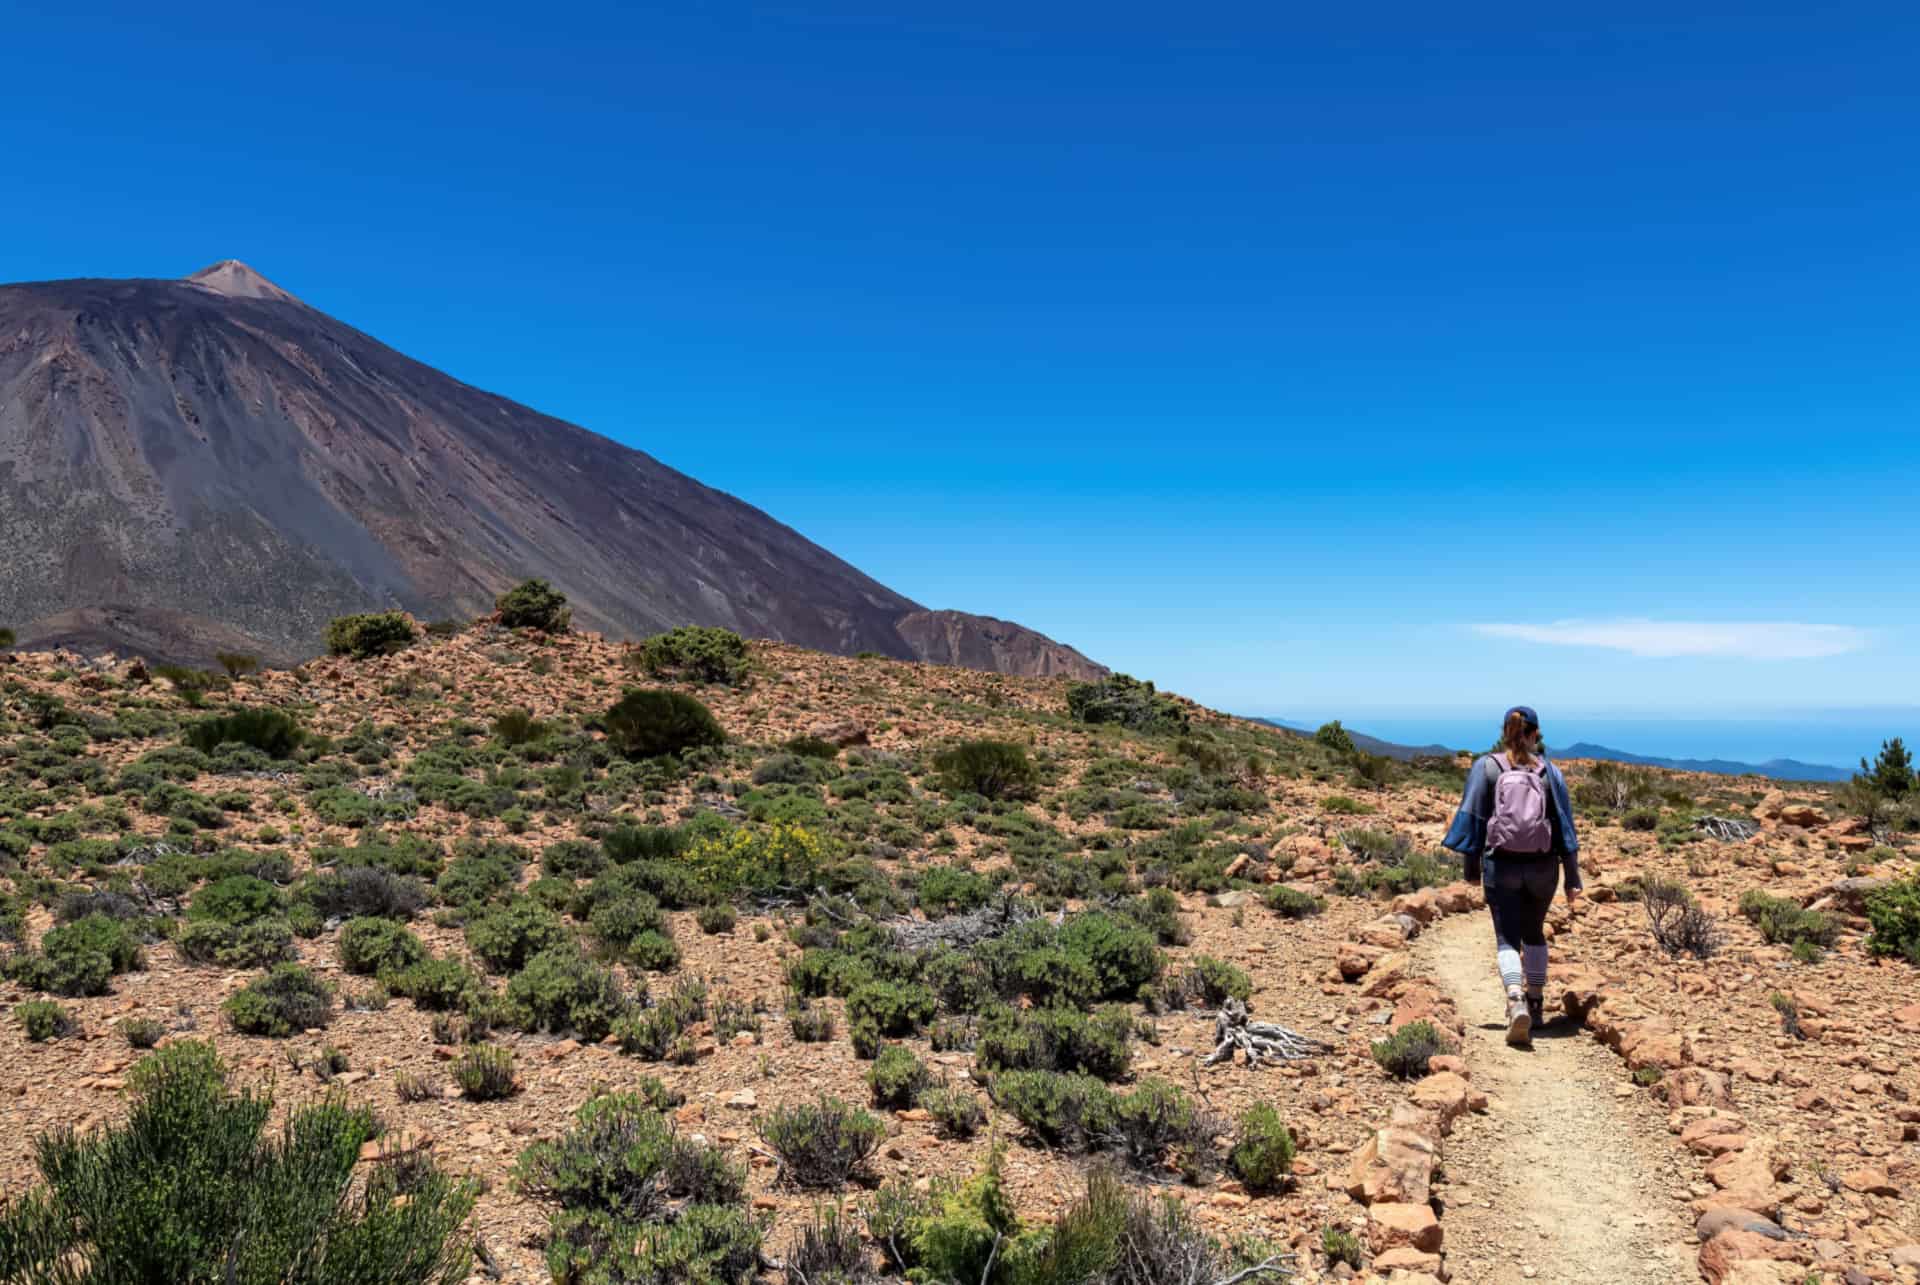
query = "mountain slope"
{"x": 217, "y": 449}
{"x": 1780, "y": 769}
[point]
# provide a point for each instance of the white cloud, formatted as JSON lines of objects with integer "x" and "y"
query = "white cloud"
{"x": 1746, "y": 640}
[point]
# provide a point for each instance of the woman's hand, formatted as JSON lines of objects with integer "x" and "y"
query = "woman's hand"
{"x": 1573, "y": 901}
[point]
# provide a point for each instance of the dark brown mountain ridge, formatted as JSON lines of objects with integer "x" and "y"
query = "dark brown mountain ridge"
{"x": 182, "y": 461}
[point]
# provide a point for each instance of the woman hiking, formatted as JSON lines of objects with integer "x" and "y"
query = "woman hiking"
{"x": 1515, "y": 830}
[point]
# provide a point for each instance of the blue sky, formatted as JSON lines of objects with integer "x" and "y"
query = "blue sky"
{"x": 1402, "y": 358}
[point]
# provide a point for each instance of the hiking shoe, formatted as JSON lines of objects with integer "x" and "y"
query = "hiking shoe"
{"x": 1519, "y": 1022}
{"x": 1537, "y": 1011}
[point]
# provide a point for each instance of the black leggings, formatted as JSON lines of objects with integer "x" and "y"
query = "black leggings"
{"x": 1519, "y": 894}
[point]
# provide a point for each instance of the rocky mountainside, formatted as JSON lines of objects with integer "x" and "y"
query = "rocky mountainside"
{"x": 181, "y": 460}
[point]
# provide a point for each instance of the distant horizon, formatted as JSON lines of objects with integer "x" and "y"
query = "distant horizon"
{"x": 1829, "y": 743}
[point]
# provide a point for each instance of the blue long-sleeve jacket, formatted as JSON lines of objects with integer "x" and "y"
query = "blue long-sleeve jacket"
{"x": 1468, "y": 835}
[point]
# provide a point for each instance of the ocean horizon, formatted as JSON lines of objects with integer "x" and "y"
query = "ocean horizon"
{"x": 1837, "y": 739}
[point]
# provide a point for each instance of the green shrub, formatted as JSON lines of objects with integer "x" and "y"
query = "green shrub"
{"x": 436, "y": 984}
{"x": 7, "y": 638}
{"x": 1334, "y": 737}
{"x": 1122, "y": 956}
{"x": 485, "y": 1073}
{"x": 188, "y": 1189}
{"x": 359, "y": 891}
{"x": 1643, "y": 820}
{"x": 374, "y": 946}
{"x": 1291, "y": 903}
{"x": 236, "y": 899}
{"x": 1405, "y": 1053}
{"x": 1058, "y": 1039}
{"x": 1342, "y": 805}
{"x": 44, "y": 1020}
{"x": 1340, "y": 1247}
{"x": 992, "y": 769}
{"x": 143, "y": 1032}
{"x": 534, "y": 604}
{"x": 695, "y": 653}
{"x": 249, "y": 945}
{"x": 810, "y": 1023}
{"x": 956, "y": 1112}
{"x": 379, "y": 633}
{"x": 648, "y": 723}
{"x": 715, "y": 919}
{"x": 517, "y": 727}
{"x": 1894, "y": 912}
{"x": 1262, "y": 1155}
{"x": 958, "y": 1232}
{"x": 891, "y": 1008}
{"x": 573, "y": 859}
{"x": 285, "y": 1001}
{"x": 1127, "y": 702}
{"x": 271, "y": 731}
{"x": 505, "y": 937}
{"x": 1060, "y": 1110}
{"x": 824, "y": 1144}
{"x": 77, "y": 959}
{"x": 896, "y": 1077}
{"x": 561, "y": 991}
{"x": 1783, "y": 922}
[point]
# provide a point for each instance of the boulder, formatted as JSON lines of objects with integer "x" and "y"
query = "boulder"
{"x": 1394, "y": 1166}
{"x": 1355, "y": 960}
{"x": 841, "y": 732}
{"x": 1448, "y": 1096}
{"x": 1390, "y": 1226}
{"x": 1721, "y": 1256}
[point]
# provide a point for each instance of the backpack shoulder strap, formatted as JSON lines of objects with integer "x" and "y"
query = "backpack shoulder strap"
{"x": 1500, "y": 761}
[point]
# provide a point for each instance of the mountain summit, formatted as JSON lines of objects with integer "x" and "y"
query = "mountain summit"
{"x": 184, "y": 462}
{"x": 236, "y": 280}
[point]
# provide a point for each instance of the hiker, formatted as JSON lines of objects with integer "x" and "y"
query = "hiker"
{"x": 1515, "y": 831}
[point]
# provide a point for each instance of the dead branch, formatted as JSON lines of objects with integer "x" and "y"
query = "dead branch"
{"x": 1260, "y": 1042}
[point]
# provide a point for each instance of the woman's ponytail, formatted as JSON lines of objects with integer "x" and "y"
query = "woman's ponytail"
{"x": 1518, "y": 738}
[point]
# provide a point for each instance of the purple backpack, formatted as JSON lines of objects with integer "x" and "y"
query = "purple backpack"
{"x": 1519, "y": 822}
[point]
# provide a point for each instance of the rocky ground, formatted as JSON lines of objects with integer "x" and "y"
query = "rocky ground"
{"x": 1670, "y": 1095}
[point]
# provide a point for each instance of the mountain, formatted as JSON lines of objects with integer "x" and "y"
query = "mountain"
{"x": 1780, "y": 769}
{"x": 1371, "y": 744}
{"x": 185, "y": 461}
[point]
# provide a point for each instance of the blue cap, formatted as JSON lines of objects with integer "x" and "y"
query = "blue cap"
{"x": 1533, "y": 719}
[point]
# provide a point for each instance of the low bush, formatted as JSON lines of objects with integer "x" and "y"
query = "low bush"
{"x": 236, "y": 899}
{"x": 190, "y": 1188}
{"x": 893, "y": 1009}
{"x": 361, "y": 891}
{"x": 1292, "y": 903}
{"x": 896, "y": 1077}
{"x": 821, "y": 1145}
{"x": 810, "y": 1023}
{"x": 505, "y": 937}
{"x": 370, "y": 947}
{"x": 534, "y": 604}
{"x": 1678, "y": 923}
{"x": 649, "y": 723}
{"x": 257, "y": 944}
{"x": 1786, "y": 923}
{"x": 1405, "y": 1054}
{"x": 43, "y": 1020}
{"x": 715, "y": 919}
{"x": 956, "y": 1112}
{"x": 1057, "y": 1039}
{"x": 142, "y": 1032}
{"x": 559, "y": 990}
{"x": 1127, "y": 702}
{"x": 271, "y": 731}
{"x": 1894, "y": 912}
{"x": 994, "y": 770}
{"x": 485, "y": 1073}
{"x": 1262, "y": 1154}
{"x": 1641, "y": 820}
{"x": 287, "y": 1000}
{"x": 379, "y": 633}
{"x": 695, "y": 653}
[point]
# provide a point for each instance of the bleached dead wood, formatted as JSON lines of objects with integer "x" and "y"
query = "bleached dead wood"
{"x": 1260, "y": 1042}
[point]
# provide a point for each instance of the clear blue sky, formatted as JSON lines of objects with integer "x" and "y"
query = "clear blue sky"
{"x": 1302, "y": 358}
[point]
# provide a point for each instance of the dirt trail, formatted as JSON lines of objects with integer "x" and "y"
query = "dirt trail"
{"x": 1564, "y": 1179}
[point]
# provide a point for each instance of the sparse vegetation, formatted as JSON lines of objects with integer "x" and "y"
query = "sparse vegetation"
{"x": 114, "y": 1206}
{"x": 695, "y": 653}
{"x": 1405, "y": 1054}
{"x": 534, "y": 604}
{"x": 379, "y": 633}
{"x": 653, "y": 722}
